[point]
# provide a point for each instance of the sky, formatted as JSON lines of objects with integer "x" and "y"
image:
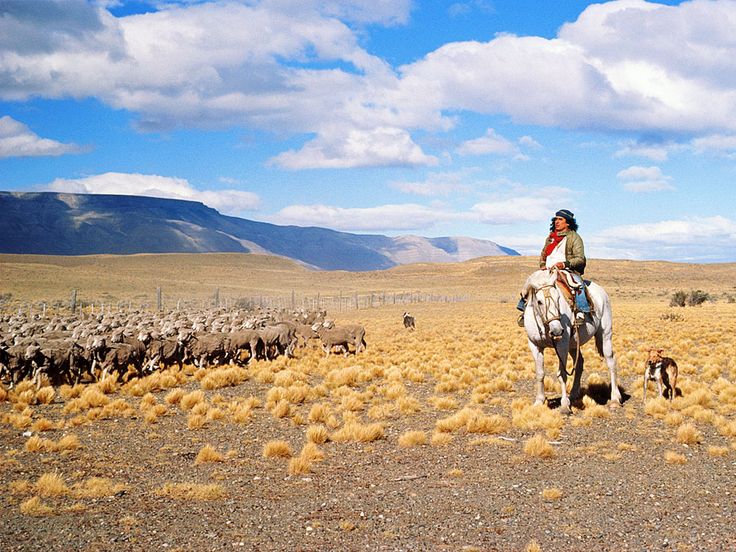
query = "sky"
{"x": 476, "y": 118}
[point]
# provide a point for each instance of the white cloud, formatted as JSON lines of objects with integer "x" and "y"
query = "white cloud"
{"x": 653, "y": 152}
{"x": 645, "y": 179}
{"x": 697, "y": 239}
{"x": 359, "y": 148}
{"x": 17, "y": 140}
{"x": 716, "y": 144}
{"x": 226, "y": 201}
{"x": 537, "y": 205}
{"x": 439, "y": 184}
{"x": 402, "y": 217}
{"x": 297, "y": 68}
{"x": 490, "y": 143}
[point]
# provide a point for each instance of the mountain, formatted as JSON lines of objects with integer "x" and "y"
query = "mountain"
{"x": 49, "y": 223}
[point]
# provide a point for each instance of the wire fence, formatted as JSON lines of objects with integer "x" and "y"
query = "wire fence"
{"x": 161, "y": 302}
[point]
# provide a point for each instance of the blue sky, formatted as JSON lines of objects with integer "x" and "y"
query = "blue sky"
{"x": 472, "y": 118}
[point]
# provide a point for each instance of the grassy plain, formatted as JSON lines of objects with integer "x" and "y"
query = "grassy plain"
{"x": 427, "y": 440}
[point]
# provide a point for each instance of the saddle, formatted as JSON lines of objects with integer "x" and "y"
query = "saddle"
{"x": 569, "y": 287}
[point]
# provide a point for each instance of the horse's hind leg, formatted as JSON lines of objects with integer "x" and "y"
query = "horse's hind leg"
{"x": 605, "y": 348}
{"x": 562, "y": 376}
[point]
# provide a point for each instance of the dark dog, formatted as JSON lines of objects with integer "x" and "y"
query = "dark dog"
{"x": 662, "y": 370}
{"x": 409, "y": 321}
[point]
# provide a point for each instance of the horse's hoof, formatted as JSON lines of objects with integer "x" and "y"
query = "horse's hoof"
{"x": 614, "y": 405}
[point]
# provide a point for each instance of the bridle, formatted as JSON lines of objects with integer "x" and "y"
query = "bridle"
{"x": 550, "y": 311}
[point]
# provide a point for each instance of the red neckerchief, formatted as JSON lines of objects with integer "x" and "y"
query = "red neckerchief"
{"x": 553, "y": 240}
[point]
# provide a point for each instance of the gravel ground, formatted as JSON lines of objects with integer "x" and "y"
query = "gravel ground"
{"x": 617, "y": 492}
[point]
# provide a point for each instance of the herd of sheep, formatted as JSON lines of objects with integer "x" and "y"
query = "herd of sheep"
{"x": 74, "y": 349}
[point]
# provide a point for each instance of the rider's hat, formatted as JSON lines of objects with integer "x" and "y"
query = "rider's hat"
{"x": 567, "y": 215}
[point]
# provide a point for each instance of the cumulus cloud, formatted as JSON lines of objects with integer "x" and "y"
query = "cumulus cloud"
{"x": 438, "y": 184}
{"x": 716, "y": 144}
{"x": 622, "y": 65}
{"x": 17, "y": 140}
{"x": 651, "y": 151}
{"x": 226, "y": 201}
{"x": 360, "y": 148}
{"x": 644, "y": 179}
{"x": 407, "y": 216}
{"x": 697, "y": 239}
{"x": 492, "y": 143}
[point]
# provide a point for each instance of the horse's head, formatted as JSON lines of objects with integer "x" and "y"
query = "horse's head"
{"x": 544, "y": 299}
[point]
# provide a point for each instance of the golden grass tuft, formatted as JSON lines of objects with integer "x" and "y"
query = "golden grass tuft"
{"x": 39, "y": 444}
{"x": 45, "y": 395}
{"x": 277, "y": 449}
{"x": 716, "y": 451}
{"x": 97, "y": 487}
{"x": 208, "y": 454}
{"x": 174, "y": 396}
{"x": 440, "y": 439}
{"x": 538, "y": 447}
{"x": 319, "y": 412}
{"x": 533, "y": 546}
{"x": 241, "y": 414}
{"x": 455, "y": 472}
{"x": 191, "y": 400}
{"x": 410, "y": 439}
{"x": 224, "y": 377}
{"x": 20, "y": 487}
{"x": 317, "y": 434}
{"x": 672, "y": 457}
{"x": 535, "y": 417}
{"x": 51, "y": 484}
{"x": 688, "y": 434}
{"x": 3, "y": 393}
{"x": 489, "y": 424}
{"x": 192, "y": 491}
{"x": 356, "y": 431}
{"x": 281, "y": 409}
{"x": 68, "y": 392}
{"x": 34, "y": 507}
{"x": 551, "y": 494}
{"x": 196, "y": 421}
{"x": 43, "y": 424}
{"x": 310, "y": 451}
{"x": 299, "y": 465}
{"x": 68, "y": 442}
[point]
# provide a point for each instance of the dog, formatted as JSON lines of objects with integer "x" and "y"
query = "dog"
{"x": 409, "y": 321}
{"x": 662, "y": 370}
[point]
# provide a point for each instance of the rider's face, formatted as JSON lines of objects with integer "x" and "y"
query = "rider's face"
{"x": 561, "y": 224}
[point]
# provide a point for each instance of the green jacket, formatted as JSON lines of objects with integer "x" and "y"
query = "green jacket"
{"x": 574, "y": 252}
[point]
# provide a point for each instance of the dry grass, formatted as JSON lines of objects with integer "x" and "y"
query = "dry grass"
{"x": 34, "y": 507}
{"x": 277, "y": 449}
{"x": 538, "y": 447}
{"x": 192, "y": 491}
{"x": 672, "y": 457}
{"x": 412, "y": 439}
{"x": 551, "y": 494}
{"x": 688, "y": 434}
{"x": 97, "y": 487}
{"x": 208, "y": 454}
{"x": 51, "y": 484}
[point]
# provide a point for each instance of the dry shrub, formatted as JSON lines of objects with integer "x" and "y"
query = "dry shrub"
{"x": 174, "y": 396}
{"x": 51, "y": 484}
{"x": 319, "y": 412}
{"x": 592, "y": 409}
{"x": 207, "y": 455}
{"x": 153, "y": 413}
{"x": 353, "y": 402}
{"x": 534, "y": 417}
{"x": 674, "y": 457}
{"x": 395, "y": 391}
{"x": 443, "y": 403}
{"x": 200, "y": 409}
{"x": 192, "y": 491}
{"x": 408, "y": 405}
{"x": 277, "y": 449}
{"x": 34, "y": 507}
{"x": 538, "y": 447}
{"x": 97, "y": 487}
{"x": 107, "y": 385}
{"x": 716, "y": 451}
{"x": 412, "y": 439}
{"x": 43, "y": 424}
{"x": 674, "y": 419}
{"x": 18, "y": 421}
{"x": 317, "y": 434}
{"x": 454, "y": 422}
{"x": 67, "y": 392}
{"x": 20, "y": 487}
{"x": 68, "y": 442}
{"x": 215, "y": 414}
{"x": 455, "y": 472}
{"x": 45, "y": 395}
{"x": 482, "y": 423}
{"x": 191, "y": 400}
{"x": 351, "y": 376}
{"x": 196, "y": 421}
{"x": 147, "y": 401}
{"x": 311, "y": 452}
{"x": 39, "y": 444}
{"x": 117, "y": 409}
{"x": 299, "y": 465}
{"x": 356, "y": 431}
{"x": 688, "y": 434}
{"x": 657, "y": 408}
{"x": 440, "y": 439}
{"x": 224, "y": 377}
{"x": 281, "y": 409}
{"x": 533, "y": 546}
{"x": 551, "y": 494}
{"x": 241, "y": 414}
{"x": 3, "y": 393}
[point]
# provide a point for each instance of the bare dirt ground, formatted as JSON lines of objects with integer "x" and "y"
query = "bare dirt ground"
{"x": 621, "y": 479}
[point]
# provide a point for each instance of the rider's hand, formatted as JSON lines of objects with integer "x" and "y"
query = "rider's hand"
{"x": 560, "y": 266}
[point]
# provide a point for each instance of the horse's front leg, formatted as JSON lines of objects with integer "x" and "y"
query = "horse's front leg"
{"x": 575, "y": 393}
{"x": 538, "y": 355}
{"x": 607, "y": 350}
{"x": 562, "y": 351}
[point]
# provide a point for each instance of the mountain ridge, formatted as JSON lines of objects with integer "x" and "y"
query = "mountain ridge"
{"x": 52, "y": 223}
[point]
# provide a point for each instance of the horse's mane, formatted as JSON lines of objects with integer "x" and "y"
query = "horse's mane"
{"x": 537, "y": 279}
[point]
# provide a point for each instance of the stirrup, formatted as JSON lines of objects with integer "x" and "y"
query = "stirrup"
{"x": 520, "y": 320}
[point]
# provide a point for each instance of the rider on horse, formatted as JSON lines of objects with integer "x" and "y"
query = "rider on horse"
{"x": 563, "y": 249}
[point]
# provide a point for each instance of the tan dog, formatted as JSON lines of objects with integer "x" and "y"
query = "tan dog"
{"x": 662, "y": 370}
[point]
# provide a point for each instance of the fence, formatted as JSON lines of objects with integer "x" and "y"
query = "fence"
{"x": 342, "y": 302}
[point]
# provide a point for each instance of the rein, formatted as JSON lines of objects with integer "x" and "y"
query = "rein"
{"x": 546, "y": 319}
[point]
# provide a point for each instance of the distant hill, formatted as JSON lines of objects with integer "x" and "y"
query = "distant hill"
{"x": 47, "y": 223}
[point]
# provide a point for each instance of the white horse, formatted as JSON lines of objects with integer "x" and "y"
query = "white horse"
{"x": 549, "y": 322}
